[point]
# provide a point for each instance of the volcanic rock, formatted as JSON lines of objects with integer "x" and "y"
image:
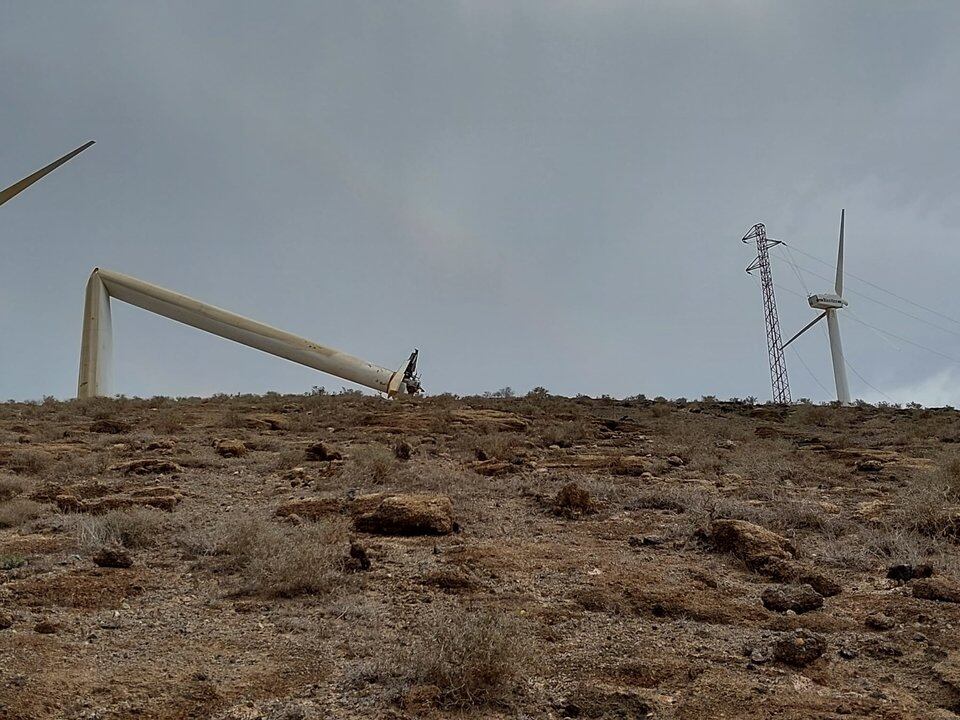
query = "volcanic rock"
{"x": 408, "y": 514}
{"x": 799, "y": 598}
{"x": 755, "y": 545}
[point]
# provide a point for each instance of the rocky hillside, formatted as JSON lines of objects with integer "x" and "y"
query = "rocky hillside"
{"x": 348, "y": 557}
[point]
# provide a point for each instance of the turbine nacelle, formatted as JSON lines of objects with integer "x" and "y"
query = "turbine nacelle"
{"x": 827, "y": 301}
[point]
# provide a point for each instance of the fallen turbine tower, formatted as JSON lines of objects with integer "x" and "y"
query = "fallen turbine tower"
{"x": 96, "y": 347}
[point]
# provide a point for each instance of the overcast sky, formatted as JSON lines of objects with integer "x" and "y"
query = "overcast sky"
{"x": 533, "y": 193}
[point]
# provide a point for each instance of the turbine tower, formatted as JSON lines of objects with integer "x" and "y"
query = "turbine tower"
{"x": 778, "y": 366}
{"x": 19, "y": 187}
{"x": 830, "y": 303}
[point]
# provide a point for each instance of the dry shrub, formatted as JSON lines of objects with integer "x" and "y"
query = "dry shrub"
{"x": 928, "y": 504}
{"x": 18, "y": 511}
{"x": 287, "y": 460}
{"x": 474, "y": 658}
{"x": 131, "y": 528}
{"x": 572, "y": 501}
{"x": 949, "y": 477}
{"x": 565, "y": 434}
{"x": 168, "y": 422}
{"x": 280, "y": 561}
{"x": 11, "y": 487}
{"x": 30, "y": 461}
{"x": 498, "y": 445}
{"x": 371, "y": 464}
{"x": 233, "y": 419}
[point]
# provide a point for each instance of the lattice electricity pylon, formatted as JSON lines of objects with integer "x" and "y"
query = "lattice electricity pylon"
{"x": 778, "y": 366}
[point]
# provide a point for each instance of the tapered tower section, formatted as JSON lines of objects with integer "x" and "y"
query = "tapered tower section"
{"x": 778, "y": 365}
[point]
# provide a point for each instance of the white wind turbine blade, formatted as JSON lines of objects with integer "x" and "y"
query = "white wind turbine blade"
{"x": 19, "y": 187}
{"x": 838, "y": 288}
{"x": 806, "y": 327}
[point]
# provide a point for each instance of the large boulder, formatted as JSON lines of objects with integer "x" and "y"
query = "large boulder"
{"x": 406, "y": 514}
{"x": 753, "y": 544}
{"x": 937, "y": 589}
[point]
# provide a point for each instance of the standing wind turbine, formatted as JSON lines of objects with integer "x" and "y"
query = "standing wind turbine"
{"x": 830, "y": 303}
{"x": 19, "y": 187}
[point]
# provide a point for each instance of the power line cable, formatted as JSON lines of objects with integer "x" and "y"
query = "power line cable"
{"x": 908, "y": 341}
{"x": 878, "y": 287}
{"x": 865, "y": 382}
{"x": 881, "y": 302}
{"x": 809, "y": 371}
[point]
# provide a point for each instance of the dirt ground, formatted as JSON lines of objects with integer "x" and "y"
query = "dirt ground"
{"x": 345, "y": 556}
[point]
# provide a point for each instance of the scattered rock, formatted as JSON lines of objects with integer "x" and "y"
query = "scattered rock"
{"x": 319, "y": 452}
{"x": 799, "y": 648}
{"x": 6, "y": 620}
{"x": 936, "y": 589}
{"x": 46, "y": 627}
{"x": 161, "y": 445}
{"x": 402, "y": 450}
{"x": 451, "y": 579}
{"x": 111, "y": 427}
{"x": 675, "y": 461}
{"x": 645, "y": 541}
{"x": 231, "y": 448}
{"x": 420, "y": 698}
{"x": 358, "y": 561}
{"x": 949, "y": 670}
{"x": 630, "y": 465}
{"x": 492, "y": 468}
{"x": 159, "y": 497}
{"x": 799, "y": 598}
{"x": 879, "y": 621}
{"x": 113, "y": 556}
{"x": 789, "y": 571}
{"x": 573, "y": 501}
{"x": 905, "y": 572}
{"x": 726, "y": 444}
{"x": 147, "y": 466}
{"x": 870, "y": 466}
{"x": 295, "y": 476}
{"x": 311, "y": 508}
{"x": 266, "y": 422}
{"x": 874, "y": 511}
{"x": 755, "y": 545}
{"x": 408, "y": 514}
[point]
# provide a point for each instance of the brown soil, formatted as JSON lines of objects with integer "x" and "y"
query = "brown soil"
{"x": 629, "y": 606}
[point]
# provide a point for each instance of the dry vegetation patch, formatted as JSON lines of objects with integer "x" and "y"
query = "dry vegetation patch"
{"x": 711, "y": 539}
{"x": 472, "y": 657}
{"x": 274, "y": 560}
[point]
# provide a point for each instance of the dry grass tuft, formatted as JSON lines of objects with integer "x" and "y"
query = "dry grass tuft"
{"x": 168, "y": 422}
{"x": 30, "y": 461}
{"x": 566, "y": 434}
{"x": 474, "y": 659}
{"x": 497, "y": 445}
{"x": 278, "y": 561}
{"x": 10, "y": 487}
{"x": 131, "y": 528}
{"x": 18, "y": 511}
{"x": 374, "y": 464}
{"x": 572, "y": 501}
